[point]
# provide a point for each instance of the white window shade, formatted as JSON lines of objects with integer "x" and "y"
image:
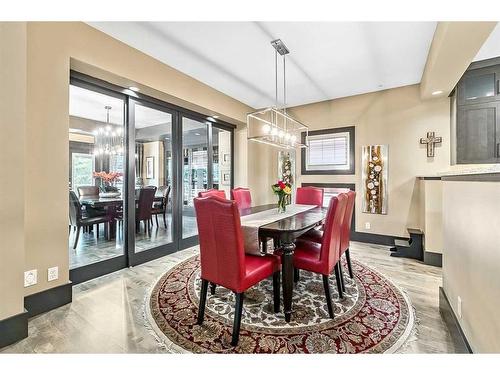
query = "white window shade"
{"x": 328, "y": 151}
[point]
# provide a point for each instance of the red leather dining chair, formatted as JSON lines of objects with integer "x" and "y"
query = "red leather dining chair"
{"x": 309, "y": 195}
{"x": 223, "y": 258}
{"x": 323, "y": 257}
{"x": 242, "y": 197}
{"x": 345, "y": 236}
{"x": 212, "y": 192}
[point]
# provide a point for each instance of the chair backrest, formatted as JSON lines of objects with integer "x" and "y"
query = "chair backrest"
{"x": 221, "y": 241}
{"x": 212, "y": 192}
{"x": 330, "y": 245}
{"x": 166, "y": 194}
{"x": 242, "y": 197}
{"x": 145, "y": 204}
{"x": 75, "y": 209}
{"x": 88, "y": 190}
{"x": 345, "y": 236}
{"x": 309, "y": 195}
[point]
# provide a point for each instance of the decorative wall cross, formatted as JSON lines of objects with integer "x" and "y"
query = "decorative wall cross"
{"x": 430, "y": 141}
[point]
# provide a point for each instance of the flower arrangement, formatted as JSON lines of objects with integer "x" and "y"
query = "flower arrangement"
{"x": 282, "y": 190}
{"x": 108, "y": 179}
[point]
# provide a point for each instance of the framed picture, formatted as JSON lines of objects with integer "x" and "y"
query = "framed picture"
{"x": 374, "y": 177}
{"x": 150, "y": 167}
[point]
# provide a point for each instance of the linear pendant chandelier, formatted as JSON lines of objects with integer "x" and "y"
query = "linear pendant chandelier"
{"x": 273, "y": 125}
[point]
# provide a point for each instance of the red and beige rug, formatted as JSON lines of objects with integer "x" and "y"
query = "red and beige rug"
{"x": 375, "y": 317}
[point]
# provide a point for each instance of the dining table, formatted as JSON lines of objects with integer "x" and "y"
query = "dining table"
{"x": 111, "y": 205}
{"x": 284, "y": 231}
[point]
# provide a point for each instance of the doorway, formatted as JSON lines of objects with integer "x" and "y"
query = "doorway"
{"x": 136, "y": 163}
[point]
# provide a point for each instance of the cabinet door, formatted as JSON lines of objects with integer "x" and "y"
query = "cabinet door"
{"x": 478, "y": 132}
{"x": 479, "y": 86}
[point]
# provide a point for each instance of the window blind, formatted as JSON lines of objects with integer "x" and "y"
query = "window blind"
{"x": 330, "y": 151}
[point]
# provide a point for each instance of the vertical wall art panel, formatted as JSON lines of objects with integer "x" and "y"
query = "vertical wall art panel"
{"x": 374, "y": 179}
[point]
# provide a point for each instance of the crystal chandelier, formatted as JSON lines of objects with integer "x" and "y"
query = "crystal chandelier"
{"x": 273, "y": 125}
{"x": 108, "y": 138}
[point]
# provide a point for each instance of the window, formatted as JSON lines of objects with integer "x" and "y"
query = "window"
{"x": 329, "y": 151}
{"x": 82, "y": 168}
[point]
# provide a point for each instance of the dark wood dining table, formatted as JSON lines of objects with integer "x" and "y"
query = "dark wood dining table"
{"x": 111, "y": 205}
{"x": 285, "y": 232}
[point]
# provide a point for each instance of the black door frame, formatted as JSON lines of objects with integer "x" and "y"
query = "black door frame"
{"x": 130, "y": 257}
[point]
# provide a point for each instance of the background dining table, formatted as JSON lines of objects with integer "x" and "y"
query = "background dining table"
{"x": 284, "y": 232}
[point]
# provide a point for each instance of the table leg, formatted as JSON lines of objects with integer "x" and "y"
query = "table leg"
{"x": 287, "y": 272}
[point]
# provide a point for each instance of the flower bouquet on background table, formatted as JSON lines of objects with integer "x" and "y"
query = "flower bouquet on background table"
{"x": 282, "y": 190}
{"x": 108, "y": 180}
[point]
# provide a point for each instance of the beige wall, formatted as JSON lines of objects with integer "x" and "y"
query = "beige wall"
{"x": 154, "y": 149}
{"x": 432, "y": 214}
{"x": 12, "y": 144}
{"x": 52, "y": 49}
{"x": 471, "y": 261}
{"x": 398, "y": 118}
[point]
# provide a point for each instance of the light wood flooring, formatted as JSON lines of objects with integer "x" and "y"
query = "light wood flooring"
{"x": 106, "y": 313}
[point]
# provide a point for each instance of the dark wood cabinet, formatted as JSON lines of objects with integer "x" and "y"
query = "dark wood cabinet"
{"x": 478, "y": 130}
{"x": 478, "y": 116}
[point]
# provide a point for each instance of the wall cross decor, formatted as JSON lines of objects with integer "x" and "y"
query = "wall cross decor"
{"x": 430, "y": 141}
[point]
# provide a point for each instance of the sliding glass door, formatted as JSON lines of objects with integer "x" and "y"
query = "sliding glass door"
{"x": 136, "y": 164}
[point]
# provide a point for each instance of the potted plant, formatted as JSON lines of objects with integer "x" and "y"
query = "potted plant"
{"x": 108, "y": 181}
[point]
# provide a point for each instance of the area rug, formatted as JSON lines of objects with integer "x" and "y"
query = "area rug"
{"x": 374, "y": 317}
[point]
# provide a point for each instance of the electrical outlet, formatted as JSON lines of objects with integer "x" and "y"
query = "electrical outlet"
{"x": 368, "y": 225}
{"x": 52, "y": 273}
{"x": 459, "y": 307}
{"x": 30, "y": 278}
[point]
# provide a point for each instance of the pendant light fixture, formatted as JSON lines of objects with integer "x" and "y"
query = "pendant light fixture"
{"x": 108, "y": 140}
{"x": 273, "y": 125}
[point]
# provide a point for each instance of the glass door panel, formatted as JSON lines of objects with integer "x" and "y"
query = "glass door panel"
{"x": 194, "y": 170}
{"x": 96, "y": 151}
{"x": 153, "y": 177}
{"x": 221, "y": 160}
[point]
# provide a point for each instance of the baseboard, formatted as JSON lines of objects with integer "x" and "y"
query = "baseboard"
{"x": 458, "y": 336}
{"x": 49, "y": 299}
{"x": 13, "y": 329}
{"x": 433, "y": 259}
{"x": 378, "y": 239}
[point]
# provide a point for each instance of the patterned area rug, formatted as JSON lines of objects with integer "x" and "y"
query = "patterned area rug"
{"x": 374, "y": 317}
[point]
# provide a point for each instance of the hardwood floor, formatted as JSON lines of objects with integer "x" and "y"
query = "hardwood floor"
{"x": 106, "y": 313}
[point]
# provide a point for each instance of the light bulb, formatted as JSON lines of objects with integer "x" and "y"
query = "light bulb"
{"x": 287, "y": 136}
{"x": 266, "y": 128}
{"x": 274, "y": 131}
{"x": 293, "y": 139}
{"x": 281, "y": 133}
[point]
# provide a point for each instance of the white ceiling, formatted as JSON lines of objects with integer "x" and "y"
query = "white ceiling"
{"x": 490, "y": 48}
{"x": 327, "y": 60}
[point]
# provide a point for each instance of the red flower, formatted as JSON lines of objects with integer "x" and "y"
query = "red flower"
{"x": 281, "y": 184}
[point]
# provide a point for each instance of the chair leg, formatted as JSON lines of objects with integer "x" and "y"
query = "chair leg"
{"x": 145, "y": 226}
{"x": 77, "y": 236}
{"x": 237, "y": 319}
{"x": 97, "y": 230}
{"x": 212, "y": 288}
{"x": 276, "y": 291}
{"x": 203, "y": 301}
{"x": 328, "y": 296}
{"x": 339, "y": 283}
{"x": 164, "y": 220}
{"x": 156, "y": 217}
{"x": 341, "y": 272}
{"x": 296, "y": 275}
{"x": 349, "y": 265}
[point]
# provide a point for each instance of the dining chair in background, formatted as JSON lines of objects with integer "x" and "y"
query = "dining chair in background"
{"x": 144, "y": 210}
{"x": 77, "y": 220}
{"x": 242, "y": 196}
{"x": 212, "y": 192}
{"x": 309, "y": 195}
{"x": 324, "y": 257}
{"x": 161, "y": 209}
{"x": 223, "y": 258}
{"x": 89, "y": 190}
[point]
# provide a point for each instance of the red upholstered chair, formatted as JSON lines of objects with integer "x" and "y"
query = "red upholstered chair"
{"x": 242, "y": 197}
{"x": 212, "y": 192}
{"x": 309, "y": 195}
{"x": 323, "y": 257}
{"x": 223, "y": 258}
